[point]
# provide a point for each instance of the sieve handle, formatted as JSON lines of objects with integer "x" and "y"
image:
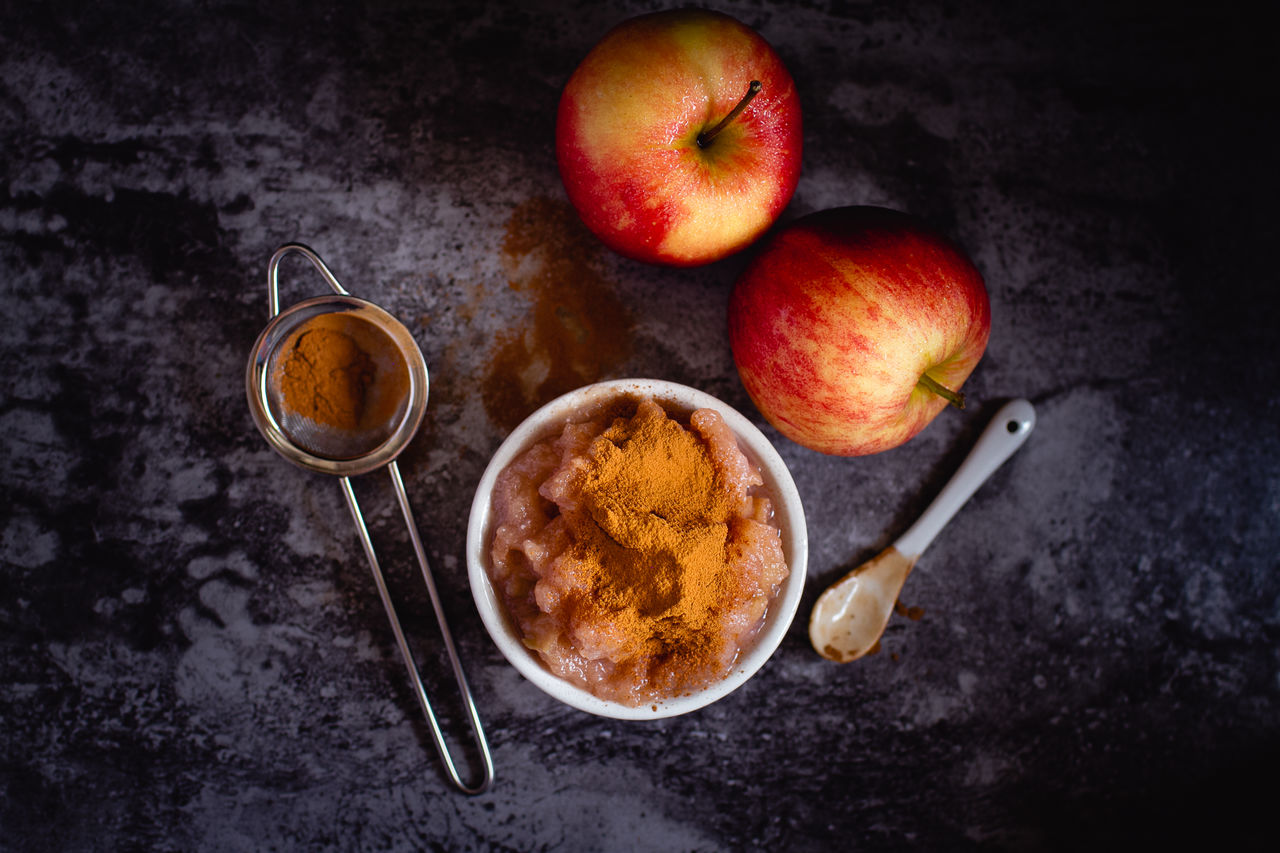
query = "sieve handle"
{"x": 273, "y": 269}
{"x": 414, "y": 677}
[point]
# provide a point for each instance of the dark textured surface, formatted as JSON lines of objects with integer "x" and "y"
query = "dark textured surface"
{"x": 192, "y": 656}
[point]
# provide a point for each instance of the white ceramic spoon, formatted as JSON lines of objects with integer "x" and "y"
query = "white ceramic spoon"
{"x": 850, "y": 616}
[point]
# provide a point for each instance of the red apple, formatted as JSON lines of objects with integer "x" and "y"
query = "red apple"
{"x": 644, "y": 150}
{"x": 854, "y": 327}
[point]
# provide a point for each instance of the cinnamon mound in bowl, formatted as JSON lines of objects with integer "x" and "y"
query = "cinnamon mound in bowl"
{"x": 637, "y": 549}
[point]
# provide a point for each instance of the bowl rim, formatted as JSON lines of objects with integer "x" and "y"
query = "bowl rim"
{"x": 789, "y": 516}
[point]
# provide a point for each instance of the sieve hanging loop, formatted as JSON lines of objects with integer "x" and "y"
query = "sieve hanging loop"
{"x": 273, "y": 272}
{"x": 301, "y": 448}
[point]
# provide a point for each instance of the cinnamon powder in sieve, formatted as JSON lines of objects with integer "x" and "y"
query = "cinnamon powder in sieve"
{"x": 329, "y": 375}
{"x": 326, "y": 376}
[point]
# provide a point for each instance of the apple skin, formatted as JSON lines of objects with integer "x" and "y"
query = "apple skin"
{"x": 836, "y": 319}
{"x": 627, "y": 131}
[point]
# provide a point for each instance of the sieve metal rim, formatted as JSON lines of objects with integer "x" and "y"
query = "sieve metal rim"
{"x": 280, "y": 327}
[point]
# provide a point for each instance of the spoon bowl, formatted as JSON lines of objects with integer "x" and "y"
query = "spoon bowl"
{"x": 849, "y": 617}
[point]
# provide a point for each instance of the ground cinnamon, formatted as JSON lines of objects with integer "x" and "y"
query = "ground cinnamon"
{"x": 648, "y": 564}
{"x": 577, "y": 329}
{"x": 326, "y": 377}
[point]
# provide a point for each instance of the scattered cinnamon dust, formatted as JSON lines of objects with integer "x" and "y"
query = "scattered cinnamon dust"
{"x": 578, "y": 329}
{"x": 915, "y": 614}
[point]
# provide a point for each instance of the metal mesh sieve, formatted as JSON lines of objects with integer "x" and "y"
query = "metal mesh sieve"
{"x": 381, "y": 399}
{"x": 393, "y": 393}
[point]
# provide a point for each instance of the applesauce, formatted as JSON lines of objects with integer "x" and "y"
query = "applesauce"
{"x": 635, "y": 550}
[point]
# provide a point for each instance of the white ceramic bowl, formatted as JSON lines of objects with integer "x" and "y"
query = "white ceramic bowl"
{"x": 789, "y": 516}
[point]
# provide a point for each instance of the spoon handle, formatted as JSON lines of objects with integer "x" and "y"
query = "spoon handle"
{"x": 1005, "y": 434}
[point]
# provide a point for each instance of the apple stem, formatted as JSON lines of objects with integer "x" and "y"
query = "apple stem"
{"x": 704, "y": 138}
{"x": 955, "y": 398}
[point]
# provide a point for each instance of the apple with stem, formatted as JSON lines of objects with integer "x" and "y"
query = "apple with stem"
{"x": 853, "y": 327}
{"x": 678, "y": 137}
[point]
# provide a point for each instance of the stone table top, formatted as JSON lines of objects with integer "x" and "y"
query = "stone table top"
{"x": 192, "y": 653}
